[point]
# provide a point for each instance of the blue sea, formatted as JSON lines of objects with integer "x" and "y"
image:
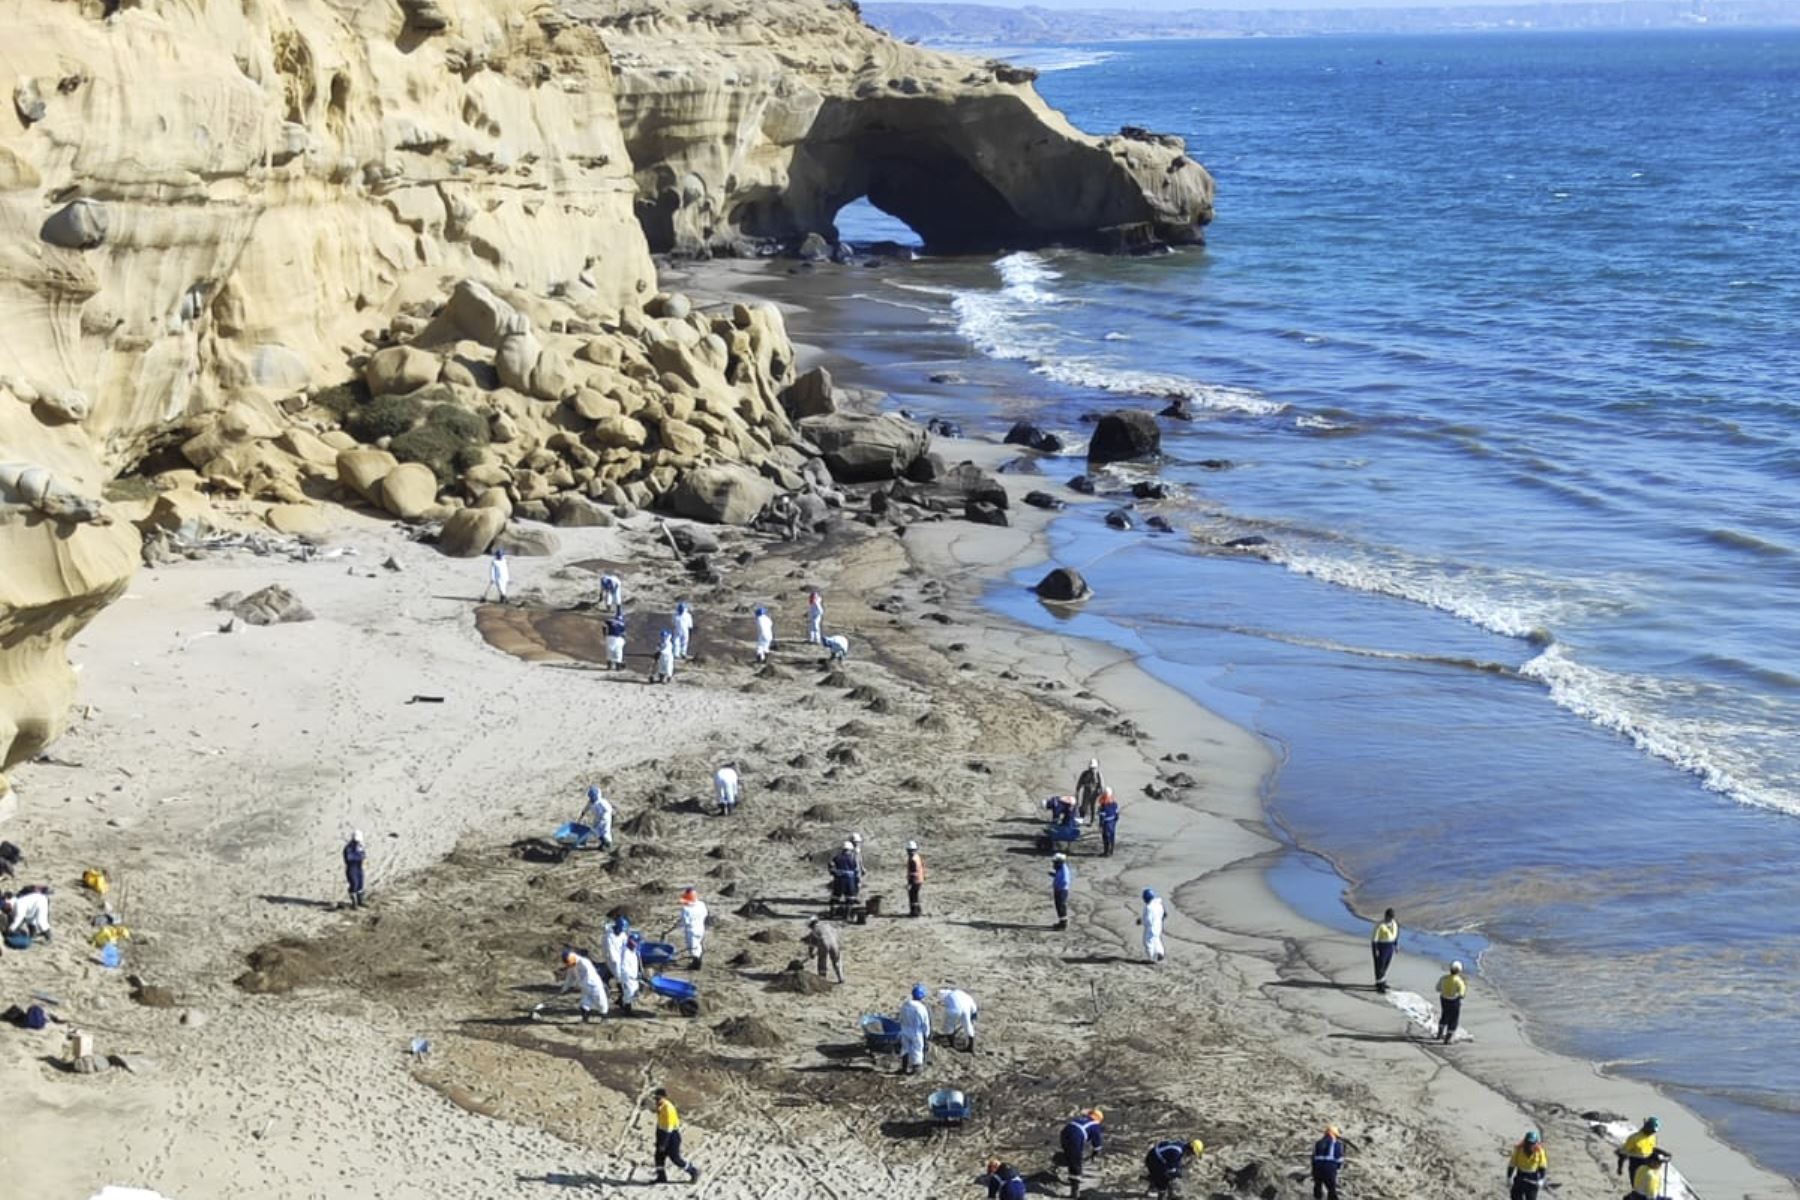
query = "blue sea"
{"x": 1500, "y": 336}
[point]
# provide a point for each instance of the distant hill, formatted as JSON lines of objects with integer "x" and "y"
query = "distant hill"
{"x": 982, "y": 24}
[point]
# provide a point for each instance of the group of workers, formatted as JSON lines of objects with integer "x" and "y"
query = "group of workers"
{"x": 959, "y": 1010}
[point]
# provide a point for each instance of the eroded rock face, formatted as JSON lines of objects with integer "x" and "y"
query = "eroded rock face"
{"x": 753, "y": 119}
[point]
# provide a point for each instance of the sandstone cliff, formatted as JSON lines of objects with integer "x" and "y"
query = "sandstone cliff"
{"x": 760, "y": 119}
{"x": 266, "y": 254}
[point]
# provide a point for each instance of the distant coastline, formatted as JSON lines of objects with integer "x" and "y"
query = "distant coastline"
{"x": 951, "y": 24}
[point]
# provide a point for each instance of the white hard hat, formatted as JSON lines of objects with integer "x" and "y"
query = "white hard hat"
{"x": 1456, "y": 967}
{"x": 856, "y": 837}
{"x": 848, "y": 846}
{"x": 1094, "y": 763}
{"x": 356, "y": 835}
{"x": 1059, "y": 856}
{"x": 912, "y": 845}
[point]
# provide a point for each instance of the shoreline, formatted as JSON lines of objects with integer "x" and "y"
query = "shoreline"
{"x": 227, "y": 842}
{"x": 1504, "y": 1062}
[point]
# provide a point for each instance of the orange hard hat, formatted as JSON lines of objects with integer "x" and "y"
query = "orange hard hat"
{"x": 568, "y": 958}
{"x": 1097, "y": 1114}
{"x": 689, "y": 896}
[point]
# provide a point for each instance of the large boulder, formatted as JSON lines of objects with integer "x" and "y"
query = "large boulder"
{"x": 1064, "y": 585}
{"x": 1024, "y": 433}
{"x": 726, "y": 494}
{"x": 273, "y": 605}
{"x": 78, "y": 225}
{"x": 362, "y": 469}
{"x": 408, "y": 490}
{"x": 476, "y": 313}
{"x": 400, "y": 369}
{"x": 471, "y": 531}
{"x": 861, "y": 449}
{"x": 527, "y": 541}
{"x": 1124, "y": 434}
{"x": 970, "y": 484}
{"x": 516, "y": 359}
{"x": 810, "y": 395}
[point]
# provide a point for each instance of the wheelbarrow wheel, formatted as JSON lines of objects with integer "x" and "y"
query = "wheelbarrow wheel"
{"x": 689, "y": 1008}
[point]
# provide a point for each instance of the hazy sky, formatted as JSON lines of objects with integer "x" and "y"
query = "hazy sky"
{"x": 1253, "y": 5}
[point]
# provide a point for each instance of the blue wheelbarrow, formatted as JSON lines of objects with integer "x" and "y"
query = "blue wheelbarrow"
{"x": 881, "y": 1035}
{"x": 679, "y": 992}
{"x": 950, "y": 1107}
{"x": 1058, "y": 837}
{"x": 656, "y": 954}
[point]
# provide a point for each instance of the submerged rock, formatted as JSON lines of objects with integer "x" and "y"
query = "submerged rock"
{"x": 1123, "y": 435}
{"x": 1064, "y": 585}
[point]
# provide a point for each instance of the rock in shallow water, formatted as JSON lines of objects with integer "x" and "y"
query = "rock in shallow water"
{"x": 1123, "y": 435}
{"x": 1064, "y": 585}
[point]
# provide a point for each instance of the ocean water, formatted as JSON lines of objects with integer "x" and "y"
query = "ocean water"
{"x": 1501, "y": 338}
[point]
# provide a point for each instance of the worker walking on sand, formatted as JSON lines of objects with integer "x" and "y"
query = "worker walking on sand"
{"x": 1451, "y": 990}
{"x": 1109, "y": 822}
{"x": 1648, "y": 1180}
{"x": 354, "y": 855}
{"x": 725, "y": 788}
{"x": 815, "y": 618}
{"x": 1003, "y": 1181}
{"x": 1638, "y": 1148}
{"x": 1382, "y": 944}
{"x": 578, "y": 970}
{"x": 959, "y": 1015}
{"x": 693, "y": 924}
{"x": 1082, "y": 1138}
{"x": 498, "y": 577}
{"x": 915, "y": 879}
{"x": 1527, "y": 1167}
{"x": 618, "y": 936}
{"x": 614, "y": 628}
{"x": 1152, "y": 921}
{"x": 915, "y": 1029}
{"x": 1327, "y": 1162}
{"x": 1088, "y": 787}
{"x": 765, "y": 635}
{"x": 1165, "y": 1161}
{"x": 1062, "y": 878}
{"x": 597, "y": 815}
{"x": 612, "y": 592}
{"x": 822, "y": 936}
{"x": 683, "y": 627}
{"x": 631, "y": 972}
{"x": 668, "y": 1139}
{"x": 664, "y": 670}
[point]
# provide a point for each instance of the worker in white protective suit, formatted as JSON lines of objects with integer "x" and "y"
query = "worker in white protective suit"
{"x": 618, "y": 932}
{"x": 959, "y": 1014}
{"x": 597, "y": 814}
{"x": 664, "y": 670}
{"x": 725, "y": 787}
{"x": 683, "y": 626}
{"x": 915, "y": 1029}
{"x": 1152, "y": 921}
{"x": 631, "y": 972}
{"x": 578, "y": 970}
{"x": 693, "y": 924}
{"x": 838, "y": 647}
{"x": 499, "y": 576}
{"x": 815, "y": 618}
{"x": 612, "y": 592}
{"x": 765, "y": 635}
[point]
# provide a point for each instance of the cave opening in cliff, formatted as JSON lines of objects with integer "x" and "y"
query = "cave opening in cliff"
{"x": 862, "y": 224}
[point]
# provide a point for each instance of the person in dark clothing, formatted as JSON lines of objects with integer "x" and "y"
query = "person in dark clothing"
{"x": 1003, "y": 1181}
{"x": 354, "y": 854}
{"x": 1109, "y": 821}
{"x": 846, "y": 879}
{"x": 1088, "y": 788}
{"x": 1081, "y": 1140}
{"x": 1164, "y": 1163}
{"x": 1327, "y": 1161}
{"x": 1061, "y": 810}
{"x": 1062, "y": 878}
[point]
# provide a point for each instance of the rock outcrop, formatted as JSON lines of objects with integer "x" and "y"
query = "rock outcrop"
{"x": 760, "y": 119}
{"x": 266, "y": 255}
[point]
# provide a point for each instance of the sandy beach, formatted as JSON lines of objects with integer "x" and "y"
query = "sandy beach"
{"x": 214, "y": 776}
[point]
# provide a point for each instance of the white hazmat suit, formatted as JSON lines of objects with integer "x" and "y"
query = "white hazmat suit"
{"x": 631, "y": 970}
{"x": 839, "y": 646}
{"x": 499, "y": 577}
{"x": 1152, "y": 920}
{"x": 684, "y": 629}
{"x": 815, "y": 619}
{"x": 915, "y": 1027}
{"x": 584, "y": 974}
{"x": 30, "y": 914}
{"x": 693, "y": 927}
{"x": 598, "y": 816}
{"x": 765, "y": 635}
{"x": 725, "y": 784}
{"x": 959, "y": 1013}
{"x": 665, "y": 660}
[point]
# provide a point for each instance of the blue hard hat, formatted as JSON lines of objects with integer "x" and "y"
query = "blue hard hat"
{"x": 1149, "y": 895}
{"x": 1652, "y": 1124}
{"x": 499, "y": 553}
{"x": 918, "y": 991}
{"x": 681, "y": 606}
{"x": 762, "y": 612}
{"x": 593, "y": 793}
